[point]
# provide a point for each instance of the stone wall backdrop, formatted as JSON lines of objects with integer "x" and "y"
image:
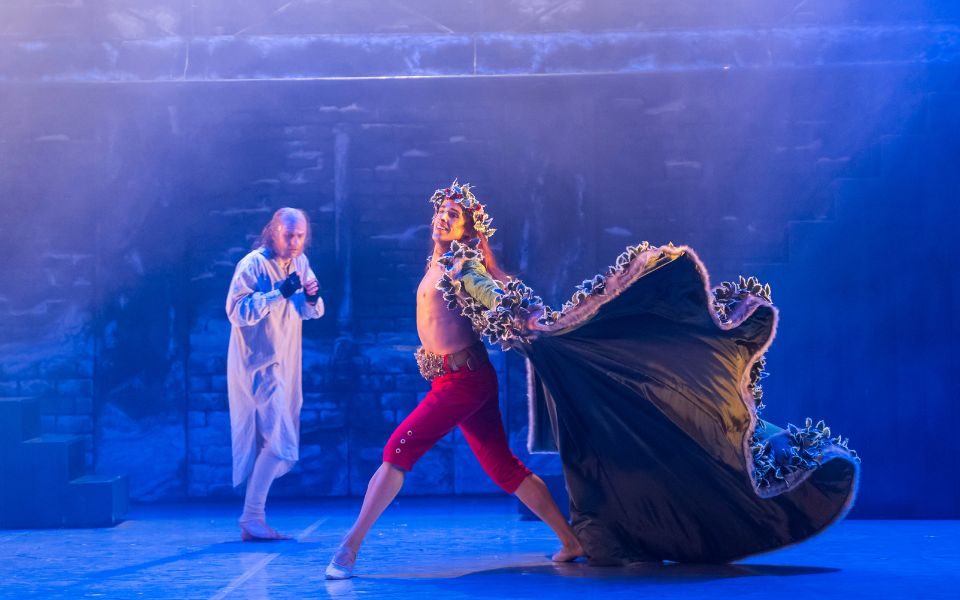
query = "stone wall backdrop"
{"x": 143, "y": 144}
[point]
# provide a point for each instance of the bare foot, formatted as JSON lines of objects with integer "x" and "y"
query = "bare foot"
{"x": 568, "y": 553}
{"x": 257, "y": 530}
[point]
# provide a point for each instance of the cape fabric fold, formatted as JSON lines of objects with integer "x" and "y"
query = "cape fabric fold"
{"x": 646, "y": 384}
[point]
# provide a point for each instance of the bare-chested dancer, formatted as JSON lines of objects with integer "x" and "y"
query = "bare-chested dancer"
{"x": 463, "y": 389}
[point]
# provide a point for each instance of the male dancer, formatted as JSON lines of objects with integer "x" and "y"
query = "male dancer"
{"x": 266, "y": 305}
{"x": 463, "y": 389}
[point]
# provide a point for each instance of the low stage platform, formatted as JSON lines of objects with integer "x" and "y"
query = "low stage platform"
{"x": 447, "y": 548}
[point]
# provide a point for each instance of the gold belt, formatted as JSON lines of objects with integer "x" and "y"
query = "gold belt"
{"x": 432, "y": 365}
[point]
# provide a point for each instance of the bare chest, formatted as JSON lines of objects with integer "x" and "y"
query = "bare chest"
{"x": 441, "y": 329}
{"x": 427, "y": 293}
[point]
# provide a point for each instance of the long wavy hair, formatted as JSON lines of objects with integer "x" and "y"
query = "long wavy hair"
{"x": 268, "y": 235}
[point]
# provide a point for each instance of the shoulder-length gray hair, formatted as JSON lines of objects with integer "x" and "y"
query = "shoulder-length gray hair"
{"x": 267, "y": 236}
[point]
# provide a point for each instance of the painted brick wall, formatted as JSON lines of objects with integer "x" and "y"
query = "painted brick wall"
{"x": 141, "y": 152}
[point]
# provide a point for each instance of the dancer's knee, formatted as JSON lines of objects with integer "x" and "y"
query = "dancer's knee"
{"x": 387, "y": 471}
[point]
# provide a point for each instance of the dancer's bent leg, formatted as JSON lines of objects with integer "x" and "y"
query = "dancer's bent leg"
{"x": 534, "y": 494}
{"x": 484, "y": 431}
{"x": 449, "y": 401}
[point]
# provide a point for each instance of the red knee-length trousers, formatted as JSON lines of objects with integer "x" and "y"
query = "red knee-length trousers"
{"x": 467, "y": 399}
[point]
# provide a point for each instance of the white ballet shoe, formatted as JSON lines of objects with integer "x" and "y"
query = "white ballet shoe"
{"x": 336, "y": 570}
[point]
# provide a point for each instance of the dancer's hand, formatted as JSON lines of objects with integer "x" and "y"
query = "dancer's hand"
{"x": 312, "y": 290}
{"x": 290, "y": 285}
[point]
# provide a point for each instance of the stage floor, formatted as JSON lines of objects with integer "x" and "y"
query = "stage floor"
{"x": 448, "y": 548}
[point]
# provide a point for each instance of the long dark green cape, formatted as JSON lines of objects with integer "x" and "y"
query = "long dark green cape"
{"x": 646, "y": 392}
